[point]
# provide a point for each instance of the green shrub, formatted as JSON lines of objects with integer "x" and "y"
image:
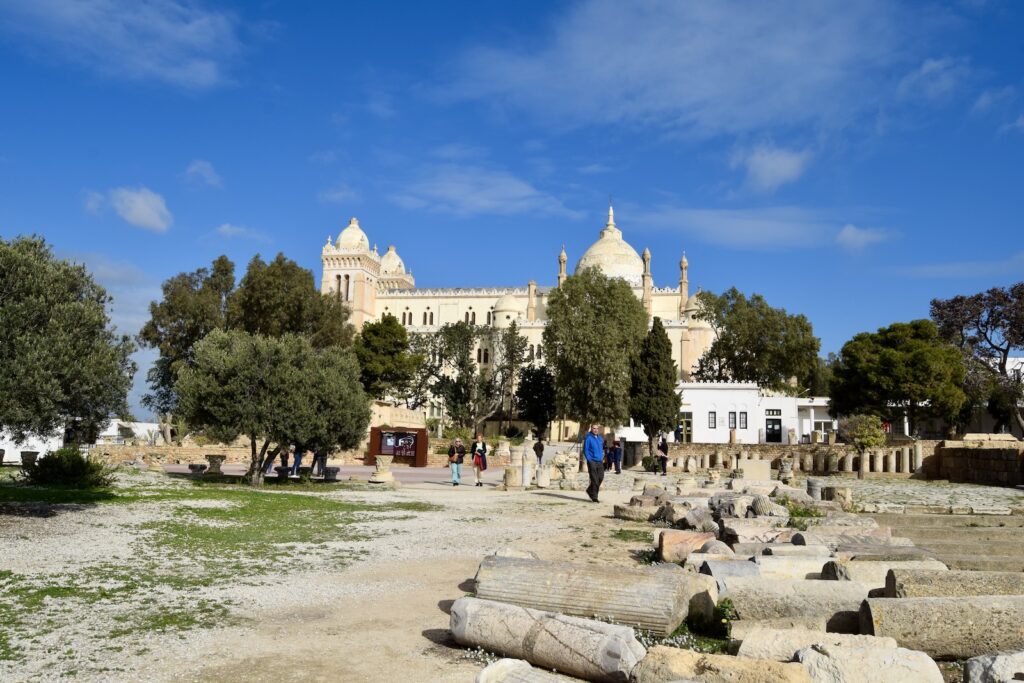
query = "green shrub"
{"x": 463, "y": 433}
{"x": 68, "y": 467}
{"x": 651, "y": 464}
{"x": 514, "y": 433}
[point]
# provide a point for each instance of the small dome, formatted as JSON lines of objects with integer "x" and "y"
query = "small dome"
{"x": 353, "y": 237}
{"x": 507, "y": 304}
{"x": 612, "y": 255}
{"x": 391, "y": 263}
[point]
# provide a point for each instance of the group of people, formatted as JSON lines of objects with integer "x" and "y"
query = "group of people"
{"x": 477, "y": 452}
{"x": 318, "y": 464}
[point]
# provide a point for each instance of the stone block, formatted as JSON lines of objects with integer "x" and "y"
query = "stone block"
{"x": 781, "y": 645}
{"x": 995, "y": 668}
{"x": 674, "y": 545}
{"x": 903, "y": 581}
{"x": 757, "y": 530}
{"x": 790, "y": 567}
{"x": 840, "y": 664}
{"x": 592, "y": 650}
{"x": 672, "y": 664}
{"x": 762, "y": 598}
{"x": 757, "y": 469}
{"x": 739, "y": 629}
{"x": 633, "y": 513}
{"x": 873, "y": 574}
{"x": 790, "y": 550}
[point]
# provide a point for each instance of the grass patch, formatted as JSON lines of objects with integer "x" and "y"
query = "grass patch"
{"x": 633, "y": 535}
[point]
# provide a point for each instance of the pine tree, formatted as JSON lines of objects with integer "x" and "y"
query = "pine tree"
{"x": 654, "y": 400}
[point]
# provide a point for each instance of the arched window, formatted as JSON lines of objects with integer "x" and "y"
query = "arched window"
{"x": 473, "y": 318}
{"x": 344, "y": 296}
{"x": 487, "y": 358}
{"x": 467, "y": 317}
{"x": 488, "y": 317}
{"x": 431, "y": 317}
{"x": 424, "y": 317}
{"x": 479, "y": 355}
{"x": 540, "y": 351}
{"x": 337, "y": 287}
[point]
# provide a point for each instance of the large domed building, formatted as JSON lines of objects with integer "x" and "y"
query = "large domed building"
{"x": 375, "y": 286}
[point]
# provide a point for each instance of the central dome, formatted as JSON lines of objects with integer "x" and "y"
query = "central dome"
{"x": 613, "y": 256}
{"x": 353, "y": 237}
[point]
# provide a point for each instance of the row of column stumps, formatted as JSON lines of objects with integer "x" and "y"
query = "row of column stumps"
{"x": 903, "y": 460}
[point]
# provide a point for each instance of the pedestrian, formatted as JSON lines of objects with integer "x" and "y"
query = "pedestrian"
{"x": 479, "y": 451}
{"x": 593, "y": 451}
{"x": 663, "y": 455}
{"x": 456, "y": 454}
{"x": 319, "y": 461}
{"x": 298, "y": 459}
{"x": 615, "y": 455}
{"x": 538, "y": 450}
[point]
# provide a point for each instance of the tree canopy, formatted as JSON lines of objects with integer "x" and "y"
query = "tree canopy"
{"x": 863, "y": 432}
{"x": 276, "y": 392}
{"x": 903, "y": 369}
{"x": 535, "y": 398}
{"x": 654, "y": 399}
{"x": 385, "y": 362}
{"x": 272, "y": 299}
{"x": 61, "y": 362}
{"x": 988, "y": 328}
{"x": 755, "y": 342}
{"x": 595, "y": 325}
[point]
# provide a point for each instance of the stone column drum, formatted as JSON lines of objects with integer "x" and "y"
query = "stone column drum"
{"x": 876, "y": 461}
{"x": 848, "y": 462}
{"x": 905, "y": 460}
{"x": 862, "y": 464}
{"x": 382, "y": 472}
{"x": 918, "y": 461}
{"x": 705, "y": 461}
{"x": 890, "y": 461}
{"x": 807, "y": 463}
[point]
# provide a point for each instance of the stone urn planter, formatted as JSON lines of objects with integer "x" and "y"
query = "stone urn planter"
{"x": 197, "y": 467}
{"x": 28, "y": 458}
{"x": 306, "y": 473}
{"x": 215, "y": 461}
{"x": 382, "y": 474}
{"x": 331, "y": 473}
{"x": 283, "y": 472}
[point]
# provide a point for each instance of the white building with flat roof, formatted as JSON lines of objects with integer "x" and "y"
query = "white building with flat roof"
{"x": 711, "y": 411}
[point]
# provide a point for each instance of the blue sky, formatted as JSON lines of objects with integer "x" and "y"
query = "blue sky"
{"x": 849, "y": 161}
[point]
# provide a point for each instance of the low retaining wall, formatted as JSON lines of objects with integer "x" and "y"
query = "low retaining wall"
{"x": 115, "y": 454}
{"x": 982, "y": 462}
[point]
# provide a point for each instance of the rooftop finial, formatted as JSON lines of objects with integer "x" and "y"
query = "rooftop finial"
{"x": 611, "y": 212}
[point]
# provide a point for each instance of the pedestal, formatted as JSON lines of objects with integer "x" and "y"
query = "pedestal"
{"x": 890, "y": 461}
{"x": 382, "y": 473}
{"x": 28, "y": 458}
{"x": 544, "y": 476}
{"x": 876, "y": 461}
{"x": 918, "y": 461}
{"x": 513, "y": 477}
{"x": 215, "y": 462}
{"x": 905, "y": 460}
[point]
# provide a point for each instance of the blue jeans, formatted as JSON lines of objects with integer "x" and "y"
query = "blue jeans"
{"x": 298, "y": 463}
{"x": 456, "y": 472}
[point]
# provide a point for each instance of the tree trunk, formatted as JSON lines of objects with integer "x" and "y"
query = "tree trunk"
{"x": 1018, "y": 414}
{"x": 257, "y": 462}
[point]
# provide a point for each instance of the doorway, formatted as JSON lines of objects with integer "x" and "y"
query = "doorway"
{"x": 773, "y": 430}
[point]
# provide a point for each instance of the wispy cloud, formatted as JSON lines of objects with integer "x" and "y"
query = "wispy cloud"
{"x": 1017, "y": 125}
{"x": 704, "y": 68}
{"x": 991, "y": 98}
{"x": 934, "y": 79}
{"x": 167, "y": 41}
{"x": 130, "y": 287}
{"x": 93, "y": 201}
{"x": 769, "y": 167}
{"x": 459, "y": 151}
{"x": 780, "y": 227}
{"x": 202, "y": 171}
{"x": 141, "y": 207}
{"x": 856, "y": 239}
{"x": 339, "y": 194}
{"x": 473, "y": 190}
{"x": 230, "y": 231}
{"x": 1014, "y": 265}
{"x": 594, "y": 169}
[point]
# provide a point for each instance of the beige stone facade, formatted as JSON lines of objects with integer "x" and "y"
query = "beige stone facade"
{"x": 376, "y": 285}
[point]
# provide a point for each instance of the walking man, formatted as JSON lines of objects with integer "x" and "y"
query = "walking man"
{"x": 593, "y": 451}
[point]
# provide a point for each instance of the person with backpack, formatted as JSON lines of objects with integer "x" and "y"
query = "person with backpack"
{"x": 479, "y": 451}
{"x": 456, "y": 454}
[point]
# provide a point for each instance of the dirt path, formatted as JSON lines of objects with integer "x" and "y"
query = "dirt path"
{"x": 395, "y": 625}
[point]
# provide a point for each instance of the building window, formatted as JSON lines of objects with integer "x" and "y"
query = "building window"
{"x": 431, "y": 317}
{"x": 773, "y": 412}
{"x": 712, "y": 420}
{"x": 488, "y": 317}
{"x": 732, "y": 420}
{"x": 743, "y": 420}
{"x": 540, "y": 351}
{"x": 424, "y": 317}
{"x": 344, "y": 295}
{"x": 479, "y": 355}
{"x": 487, "y": 357}
{"x": 467, "y": 316}
{"x": 473, "y": 318}
{"x": 823, "y": 426}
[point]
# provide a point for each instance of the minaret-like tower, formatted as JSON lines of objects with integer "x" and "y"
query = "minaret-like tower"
{"x": 647, "y": 298}
{"x": 562, "y": 258}
{"x": 684, "y": 285}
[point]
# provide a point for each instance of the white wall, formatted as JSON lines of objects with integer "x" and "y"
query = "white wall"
{"x": 701, "y": 398}
{"x": 12, "y": 450}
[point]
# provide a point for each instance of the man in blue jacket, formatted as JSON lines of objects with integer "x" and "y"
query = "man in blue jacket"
{"x": 593, "y": 451}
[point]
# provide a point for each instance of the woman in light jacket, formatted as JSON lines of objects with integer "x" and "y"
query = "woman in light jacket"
{"x": 479, "y": 454}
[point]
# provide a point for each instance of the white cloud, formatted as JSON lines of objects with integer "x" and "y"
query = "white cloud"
{"x": 769, "y": 167}
{"x": 169, "y": 41}
{"x": 477, "y": 190}
{"x": 855, "y": 239}
{"x": 339, "y": 194}
{"x": 93, "y": 201}
{"x": 202, "y": 171}
{"x": 706, "y": 68}
{"x": 1014, "y": 266}
{"x": 1015, "y": 125}
{"x": 381, "y": 105}
{"x": 141, "y": 207}
{"x": 992, "y": 97}
{"x": 230, "y": 230}
{"x": 779, "y": 227}
{"x": 934, "y": 79}
{"x": 130, "y": 287}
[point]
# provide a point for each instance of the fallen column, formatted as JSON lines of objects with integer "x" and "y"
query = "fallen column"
{"x": 655, "y": 600}
{"x": 790, "y": 567}
{"x": 738, "y": 630}
{"x": 675, "y": 545}
{"x": 673, "y": 664}
{"x": 914, "y": 582}
{"x": 763, "y": 598}
{"x": 873, "y": 574}
{"x": 781, "y": 645}
{"x": 591, "y": 650}
{"x": 948, "y": 628}
{"x": 868, "y": 665}
{"x": 516, "y": 671}
{"x": 790, "y": 550}
{"x": 755, "y": 530}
